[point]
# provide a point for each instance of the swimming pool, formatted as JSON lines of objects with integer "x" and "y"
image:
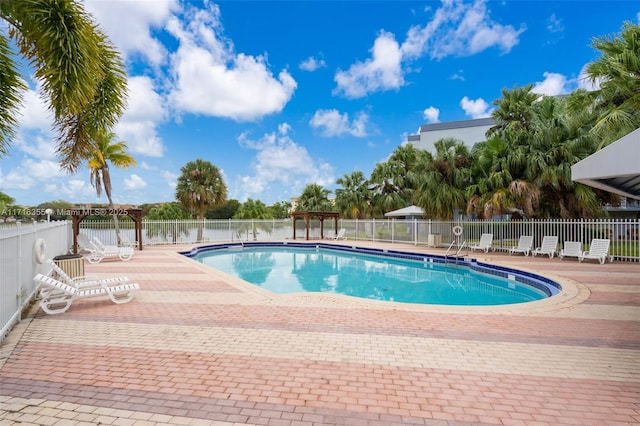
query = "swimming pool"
{"x": 374, "y": 274}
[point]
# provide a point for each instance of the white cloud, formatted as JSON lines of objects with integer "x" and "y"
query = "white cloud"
{"x": 554, "y": 25}
{"x": 584, "y": 81}
{"x": 42, "y": 149}
{"x": 281, "y": 161}
{"x": 134, "y": 182}
{"x": 457, "y": 76}
{"x": 456, "y": 29}
{"x": 170, "y": 177}
{"x": 146, "y": 166}
{"x": 73, "y": 190}
{"x": 145, "y": 111}
{"x": 477, "y": 108}
{"x": 30, "y": 173}
{"x": 211, "y": 79}
{"x": 380, "y": 72}
{"x": 33, "y": 113}
{"x": 332, "y": 123}
{"x": 284, "y": 128}
{"x": 432, "y": 115}
{"x": 129, "y": 24}
{"x": 311, "y": 64}
{"x": 16, "y": 179}
{"x": 554, "y": 84}
{"x": 460, "y": 29}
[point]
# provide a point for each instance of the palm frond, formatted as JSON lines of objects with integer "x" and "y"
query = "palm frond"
{"x": 11, "y": 89}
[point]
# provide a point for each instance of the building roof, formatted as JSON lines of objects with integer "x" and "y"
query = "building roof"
{"x": 457, "y": 124}
{"x": 615, "y": 168}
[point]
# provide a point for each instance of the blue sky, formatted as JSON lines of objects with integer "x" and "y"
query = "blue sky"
{"x": 280, "y": 94}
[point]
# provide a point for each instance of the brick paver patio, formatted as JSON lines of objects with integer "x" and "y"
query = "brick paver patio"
{"x": 196, "y": 347}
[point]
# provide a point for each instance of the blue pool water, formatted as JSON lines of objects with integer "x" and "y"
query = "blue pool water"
{"x": 374, "y": 274}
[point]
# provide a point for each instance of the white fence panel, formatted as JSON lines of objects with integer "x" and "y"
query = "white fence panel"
{"x": 161, "y": 232}
{"x": 623, "y": 233}
{"x": 18, "y": 264}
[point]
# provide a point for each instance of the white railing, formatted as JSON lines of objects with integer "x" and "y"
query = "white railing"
{"x": 623, "y": 233}
{"x": 161, "y": 232}
{"x": 18, "y": 263}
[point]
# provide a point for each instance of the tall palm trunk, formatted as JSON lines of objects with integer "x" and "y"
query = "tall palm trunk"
{"x": 106, "y": 180}
{"x": 200, "y": 216}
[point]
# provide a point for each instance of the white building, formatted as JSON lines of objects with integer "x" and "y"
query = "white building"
{"x": 468, "y": 131}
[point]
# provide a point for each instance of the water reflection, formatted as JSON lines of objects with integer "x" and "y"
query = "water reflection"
{"x": 286, "y": 270}
{"x": 253, "y": 267}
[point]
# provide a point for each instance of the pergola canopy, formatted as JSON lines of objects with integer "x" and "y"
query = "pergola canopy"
{"x": 307, "y": 220}
{"x": 78, "y": 215}
{"x": 410, "y": 211}
{"x": 615, "y": 168}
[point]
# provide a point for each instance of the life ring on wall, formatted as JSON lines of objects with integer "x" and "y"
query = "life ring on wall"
{"x": 39, "y": 250}
{"x": 457, "y": 230}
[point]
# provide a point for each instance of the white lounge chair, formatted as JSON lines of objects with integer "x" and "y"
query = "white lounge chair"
{"x": 525, "y": 243}
{"x": 99, "y": 251}
{"x": 84, "y": 244}
{"x": 338, "y": 236}
{"x": 549, "y": 246}
{"x": 484, "y": 244}
{"x": 82, "y": 281}
{"x": 57, "y": 296}
{"x": 599, "y": 250}
{"x": 571, "y": 249}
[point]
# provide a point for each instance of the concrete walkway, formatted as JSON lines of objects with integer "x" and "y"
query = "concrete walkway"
{"x": 197, "y": 347}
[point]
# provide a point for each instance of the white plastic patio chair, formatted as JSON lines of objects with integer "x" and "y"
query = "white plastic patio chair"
{"x": 571, "y": 249}
{"x": 599, "y": 250}
{"x": 58, "y": 296}
{"x": 525, "y": 243}
{"x": 549, "y": 246}
{"x": 484, "y": 244}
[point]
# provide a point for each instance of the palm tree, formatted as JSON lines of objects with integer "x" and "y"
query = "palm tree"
{"x": 103, "y": 151}
{"x": 513, "y": 112}
{"x": 528, "y": 170}
{"x": 387, "y": 194}
{"x": 617, "y": 100}
{"x": 503, "y": 183}
{"x": 561, "y": 139}
{"x": 353, "y": 199}
{"x": 254, "y": 209}
{"x": 200, "y": 187}
{"x": 83, "y": 76}
{"x": 394, "y": 181}
{"x": 314, "y": 198}
{"x": 443, "y": 188}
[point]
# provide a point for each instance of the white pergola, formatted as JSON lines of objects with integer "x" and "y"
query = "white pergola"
{"x": 615, "y": 168}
